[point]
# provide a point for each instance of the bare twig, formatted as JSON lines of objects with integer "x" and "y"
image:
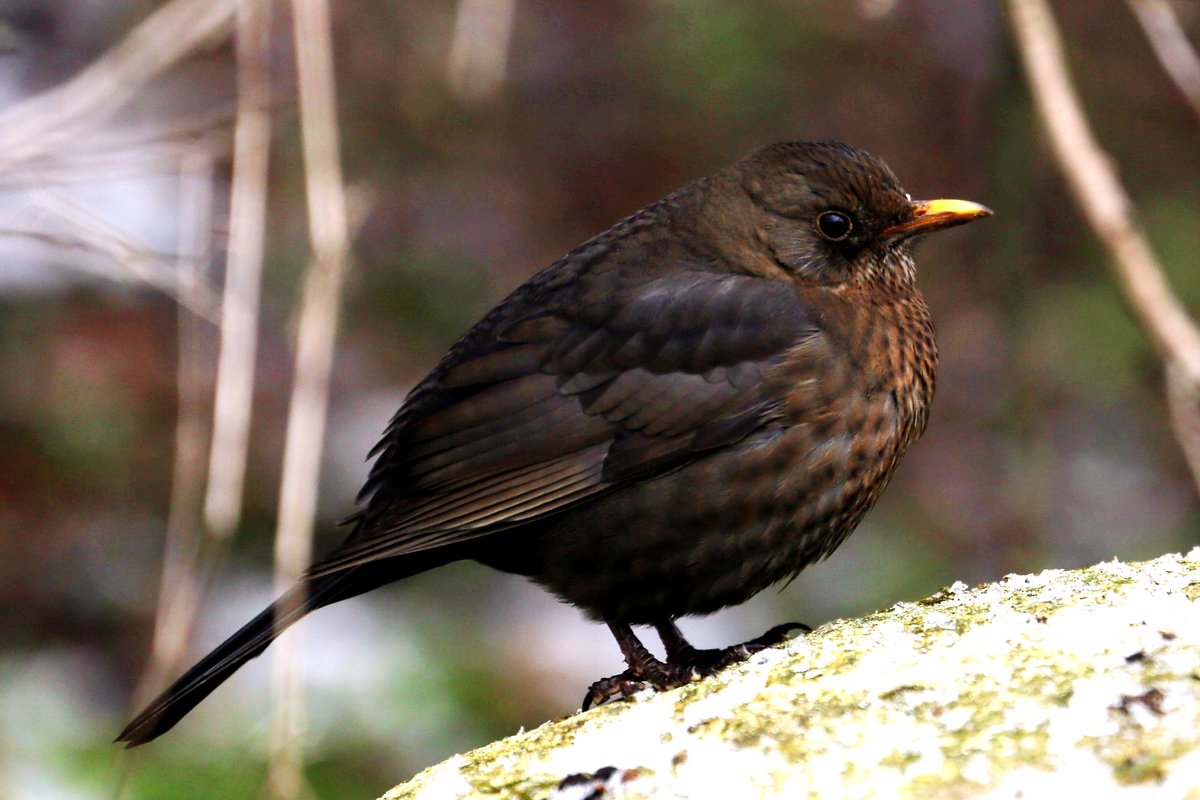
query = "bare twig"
{"x": 1108, "y": 209}
{"x": 179, "y": 595}
{"x": 136, "y": 152}
{"x": 876, "y": 9}
{"x": 114, "y": 161}
{"x": 42, "y": 143}
{"x": 479, "y": 49}
{"x": 50, "y": 120}
{"x": 93, "y": 229}
{"x": 111, "y": 259}
{"x": 243, "y": 274}
{"x": 1183, "y": 403}
{"x": 1172, "y": 47}
{"x": 314, "y": 356}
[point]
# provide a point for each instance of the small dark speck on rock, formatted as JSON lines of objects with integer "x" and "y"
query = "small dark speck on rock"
{"x": 1152, "y": 700}
{"x": 941, "y": 596}
{"x": 1133, "y": 658}
{"x": 599, "y": 784}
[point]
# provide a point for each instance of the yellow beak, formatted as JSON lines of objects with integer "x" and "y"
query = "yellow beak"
{"x": 933, "y": 215}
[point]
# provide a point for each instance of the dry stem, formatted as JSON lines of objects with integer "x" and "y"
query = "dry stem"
{"x": 1176, "y": 54}
{"x": 317, "y": 333}
{"x": 1106, "y": 206}
{"x": 243, "y": 276}
{"x": 54, "y": 118}
{"x": 179, "y": 595}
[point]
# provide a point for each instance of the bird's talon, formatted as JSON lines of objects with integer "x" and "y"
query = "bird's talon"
{"x": 615, "y": 687}
{"x": 777, "y": 635}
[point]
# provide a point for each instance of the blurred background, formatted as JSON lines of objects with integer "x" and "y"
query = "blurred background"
{"x": 481, "y": 141}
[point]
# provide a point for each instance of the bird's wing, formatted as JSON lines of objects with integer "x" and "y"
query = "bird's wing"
{"x": 553, "y": 407}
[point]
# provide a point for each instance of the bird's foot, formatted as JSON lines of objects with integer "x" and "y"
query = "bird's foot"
{"x": 648, "y": 673}
{"x": 708, "y": 662}
{"x": 685, "y": 664}
{"x": 644, "y": 670}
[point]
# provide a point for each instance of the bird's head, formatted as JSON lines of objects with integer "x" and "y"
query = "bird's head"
{"x": 828, "y": 214}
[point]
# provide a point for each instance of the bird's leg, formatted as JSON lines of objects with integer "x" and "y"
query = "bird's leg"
{"x": 679, "y": 650}
{"x": 644, "y": 670}
{"x": 705, "y": 662}
{"x": 684, "y": 663}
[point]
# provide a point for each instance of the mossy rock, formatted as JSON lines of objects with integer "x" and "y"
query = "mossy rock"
{"x": 1080, "y": 683}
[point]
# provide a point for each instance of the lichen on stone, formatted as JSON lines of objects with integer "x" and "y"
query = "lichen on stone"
{"x": 1065, "y": 683}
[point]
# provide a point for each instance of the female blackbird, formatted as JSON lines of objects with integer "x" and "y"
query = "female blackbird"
{"x": 696, "y": 404}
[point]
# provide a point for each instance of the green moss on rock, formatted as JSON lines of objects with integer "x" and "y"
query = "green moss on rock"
{"x": 1079, "y": 682}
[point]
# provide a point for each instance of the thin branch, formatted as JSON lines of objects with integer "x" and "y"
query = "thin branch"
{"x": 56, "y": 117}
{"x": 1183, "y": 403}
{"x": 479, "y": 49}
{"x": 69, "y": 169}
{"x": 35, "y": 134}
{"x": 1106, "y": 206}
{"x": 92, "y": 227}
{"x": 243, "y": 274}
{"x": 317, "y": 333}
{"x": 179, "y": 595}
{"x": 110, "y": 254}
{"x": 1176, "y": 54}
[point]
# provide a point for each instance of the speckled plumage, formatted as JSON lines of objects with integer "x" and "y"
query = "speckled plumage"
{"x": 692, "y": 406}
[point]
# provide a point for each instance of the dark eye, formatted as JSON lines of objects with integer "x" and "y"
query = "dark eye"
{"x": 834, "y": 225}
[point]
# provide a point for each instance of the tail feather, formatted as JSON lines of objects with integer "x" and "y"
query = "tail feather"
{"x": 211, "y": 671}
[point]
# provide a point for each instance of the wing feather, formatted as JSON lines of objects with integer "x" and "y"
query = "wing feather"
{"x": 536, "y": 411}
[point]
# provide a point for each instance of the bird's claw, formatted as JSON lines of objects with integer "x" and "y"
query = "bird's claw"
{"x": 658, "y": 675}
{"x": 708, "y": 662}
{"x": 777, "y": 635}
{"x": 614, "y": 687}
{"x": 686, "y": 666}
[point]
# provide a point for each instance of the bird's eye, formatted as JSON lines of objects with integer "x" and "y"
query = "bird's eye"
{"x": 834, "y": 225}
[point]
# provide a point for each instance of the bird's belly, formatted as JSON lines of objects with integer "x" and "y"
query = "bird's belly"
{"x": 713, "y": 533}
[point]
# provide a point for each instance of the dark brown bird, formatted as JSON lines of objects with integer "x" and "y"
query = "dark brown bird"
{"x": 694, "y": 405}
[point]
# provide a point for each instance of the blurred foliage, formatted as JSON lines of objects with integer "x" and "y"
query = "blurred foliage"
{"x": 1048, "y": 445}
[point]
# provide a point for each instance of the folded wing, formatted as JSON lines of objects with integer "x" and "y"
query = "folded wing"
{"x": 552, "y": 407}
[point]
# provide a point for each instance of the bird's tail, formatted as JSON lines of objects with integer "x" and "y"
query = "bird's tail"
{"x": 212, "y": 670}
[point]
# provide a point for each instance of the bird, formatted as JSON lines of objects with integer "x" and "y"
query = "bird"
{"x": 690, "y": 407}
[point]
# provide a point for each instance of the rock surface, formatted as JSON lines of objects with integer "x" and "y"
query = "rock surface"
{"x": 1080, "y": 683}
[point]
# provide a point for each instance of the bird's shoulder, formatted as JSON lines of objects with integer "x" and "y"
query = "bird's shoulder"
{"x": 633, "y": 304}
